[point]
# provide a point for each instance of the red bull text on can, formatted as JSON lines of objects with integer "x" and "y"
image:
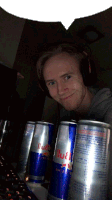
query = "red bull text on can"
{"x": 62, "y": 161}
{"x": 40, "y": 150}
{"x": 90, "y": 164}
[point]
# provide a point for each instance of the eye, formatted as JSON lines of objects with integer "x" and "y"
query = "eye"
{"x": 51, "y": 83}
{"x": 67, "y": 77}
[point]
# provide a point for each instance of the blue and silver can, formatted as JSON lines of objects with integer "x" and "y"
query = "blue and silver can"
{"x": 25, "y": 148}
{"x": 40, "y": 151}
{"x": 62, "y": 161}
{"x": 91, "y": 161}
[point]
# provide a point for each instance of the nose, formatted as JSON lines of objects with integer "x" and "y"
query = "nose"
{"x": 61, "y": 88}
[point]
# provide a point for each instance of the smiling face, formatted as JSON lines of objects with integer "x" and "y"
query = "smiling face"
{"x": 64, "y": 81}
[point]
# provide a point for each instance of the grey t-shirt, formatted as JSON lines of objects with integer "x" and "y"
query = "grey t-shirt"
{"x": 101, "y": 106}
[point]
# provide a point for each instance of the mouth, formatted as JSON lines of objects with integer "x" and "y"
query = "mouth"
{"x": 68, "y": 97}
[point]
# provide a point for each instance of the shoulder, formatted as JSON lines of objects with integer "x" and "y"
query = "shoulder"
{"x": 101, "y": 106}
{"x": 102, "y": 95}
{"x": 105, "y": 95}
{"x": 104, "y": 91}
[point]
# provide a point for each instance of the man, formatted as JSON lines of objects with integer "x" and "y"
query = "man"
{"x": 66, "y": 74}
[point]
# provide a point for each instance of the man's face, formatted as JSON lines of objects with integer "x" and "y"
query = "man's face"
{"x": 64, "y": 81}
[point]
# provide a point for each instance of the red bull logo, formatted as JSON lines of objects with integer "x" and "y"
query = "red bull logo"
{"x": 46, "y": 147}
{"x": 66, "y": 156}
{"x": 67, "y": 165}
{"x": 46, "y": 154}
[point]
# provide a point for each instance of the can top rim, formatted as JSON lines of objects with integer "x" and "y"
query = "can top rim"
{"x": 67, "y": 122}
{"x": 95, "y": 122}
{"x": 43, "y": 122}
{"x": 32, "y": 122}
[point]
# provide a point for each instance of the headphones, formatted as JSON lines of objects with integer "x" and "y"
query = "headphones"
{"x": 88, "y": 72}
{"x": 87, "y": 69}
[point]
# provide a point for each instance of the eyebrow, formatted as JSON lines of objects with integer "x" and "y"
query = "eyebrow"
{"x": 50, "y": 80}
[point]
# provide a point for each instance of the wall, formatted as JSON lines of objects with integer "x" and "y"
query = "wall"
{"x": 17, "y": 48}
{"x": 11, "y": 28}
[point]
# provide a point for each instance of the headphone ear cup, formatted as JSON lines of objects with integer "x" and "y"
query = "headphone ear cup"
{"x": 88, "y": 72}
{"x": 84, "y": 67}
{"x": 93, "y": 74}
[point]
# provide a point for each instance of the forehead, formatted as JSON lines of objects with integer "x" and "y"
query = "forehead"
{"x": 60, "y": 64}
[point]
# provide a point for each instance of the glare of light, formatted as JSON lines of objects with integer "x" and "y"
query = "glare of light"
{"x": 4, "y": 128}
{"x": 90, "y": 168}
{"x": 42, "y": 139}
{"x": 27, "y": 178}
{"x": 68, "y": 150}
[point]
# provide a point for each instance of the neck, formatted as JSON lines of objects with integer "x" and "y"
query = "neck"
{"x": 85, "y": 105}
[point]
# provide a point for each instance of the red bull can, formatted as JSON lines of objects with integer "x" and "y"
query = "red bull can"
{"x": 40, "y": 151}
{"x": 25, "y": 148}
{"x": 91, "y": 161}
{"x": 62, "y": 161}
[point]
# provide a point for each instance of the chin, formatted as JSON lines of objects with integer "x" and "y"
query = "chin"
{"x": 68, "y": 108}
